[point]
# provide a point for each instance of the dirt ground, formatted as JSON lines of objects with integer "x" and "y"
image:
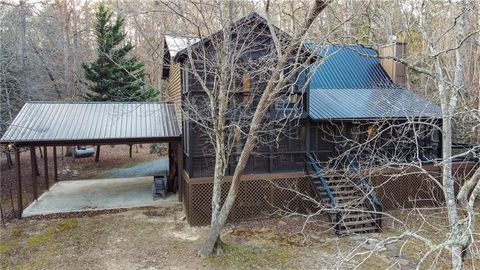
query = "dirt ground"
{"x": 159, "y": 238}
{"x": 68, "y": 169}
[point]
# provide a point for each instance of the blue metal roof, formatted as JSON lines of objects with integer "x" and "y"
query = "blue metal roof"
{"x": 369, "y": 103}
{"x": 350, "y": 83}
{"x": 352, "y": 67}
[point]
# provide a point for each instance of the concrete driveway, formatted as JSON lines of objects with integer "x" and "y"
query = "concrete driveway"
{"x": 146, "y": 168}
{"x": 97, "y": 194}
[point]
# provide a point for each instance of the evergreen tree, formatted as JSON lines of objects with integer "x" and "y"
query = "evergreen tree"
{"x": 115, "y": 76}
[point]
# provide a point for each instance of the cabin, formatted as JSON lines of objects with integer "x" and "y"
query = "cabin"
{"x": 343, "y": 103}
{"x": 341, "y": 114}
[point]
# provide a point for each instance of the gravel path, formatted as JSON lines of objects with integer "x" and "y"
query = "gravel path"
{"x": 147, "y": 168}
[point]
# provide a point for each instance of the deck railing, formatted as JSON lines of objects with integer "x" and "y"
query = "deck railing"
{"x": 335, "y": 214}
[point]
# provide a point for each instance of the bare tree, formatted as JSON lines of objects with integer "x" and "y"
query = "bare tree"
{"x": 441, "y": 67}
{"x": 231, "y": 121}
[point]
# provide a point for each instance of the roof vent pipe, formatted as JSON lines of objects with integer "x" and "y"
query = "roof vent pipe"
{"x": 394, "y": 69}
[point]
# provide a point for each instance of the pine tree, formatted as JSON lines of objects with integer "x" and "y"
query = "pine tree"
{"x": 115, "y": 76}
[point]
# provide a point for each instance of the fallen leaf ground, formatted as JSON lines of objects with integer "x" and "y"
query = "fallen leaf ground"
{"x": 158, "y": 238}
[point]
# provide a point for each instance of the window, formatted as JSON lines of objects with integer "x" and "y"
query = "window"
{"x": 238, "y": 141}
{"x": 246, "y": 87}
{"x": 297, "y": 142}
{"x": 372, "y": 131}
{"x": 356, "y": 133}
{"x": 300, "y": 132}
{"x": 286, "y": 102}
{"x": 186, "y": 137}
{"x": 185, "y": 79}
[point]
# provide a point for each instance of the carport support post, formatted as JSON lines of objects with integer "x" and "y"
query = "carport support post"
{"x": 130, "y": 150}
{"x": 34, "y": 172}
{"x": 45, "y": 167}
{"x": 37, "y": 171}
{"x": 55, "y": 171}
{"x": 19, "y": 184}
{"x": 97, "y": 154}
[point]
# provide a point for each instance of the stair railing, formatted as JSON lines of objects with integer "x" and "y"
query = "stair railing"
{"x": 372, "y": 203}
{"x": 312, "y": 159}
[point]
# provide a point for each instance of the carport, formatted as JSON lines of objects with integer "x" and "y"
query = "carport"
{"x": 53, "y": 124}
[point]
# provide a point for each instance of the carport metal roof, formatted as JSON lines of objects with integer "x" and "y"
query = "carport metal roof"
{"x": 70, "y": 123}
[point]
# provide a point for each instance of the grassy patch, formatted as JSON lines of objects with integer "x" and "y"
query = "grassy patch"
{"x": 51, "y": 232}
{"x": 66, "y": 225}
{"x": 270, "y": 235}
{"x": 17, "y": 233}
{"x": 40, "y": 239}
{"x": 23, "y": 251}
{"x": 247, "y": 256}
{"x": 4, "y": 248}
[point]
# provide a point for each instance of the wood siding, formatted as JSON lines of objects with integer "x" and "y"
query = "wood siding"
{"x": 175, "y": 89}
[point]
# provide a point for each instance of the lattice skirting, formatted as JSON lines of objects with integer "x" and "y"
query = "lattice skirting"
{"x": 267, "y": 195}
{"x": 259, "y": 196}
{"x": 414, "y": 187}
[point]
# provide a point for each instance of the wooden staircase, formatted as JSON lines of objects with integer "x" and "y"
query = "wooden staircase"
{"x": 350, "y": 207}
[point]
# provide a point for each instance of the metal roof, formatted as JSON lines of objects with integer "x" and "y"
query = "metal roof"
{"x": 369, "y": 103}
{"x": 251, "y": 17}
{"x": 351, "y": 66}
{"x": 176, "y": 44}
{"x": 350, "y": 83}
{"x": 69, "y": 122}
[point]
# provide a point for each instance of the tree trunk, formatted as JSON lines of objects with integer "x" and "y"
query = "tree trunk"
{"x": 75, "y": 49}
{"x": 23, "y": 47}
{"x": 65, "y": 46}
{"x": 213, "y": 241}
{"x": 220, "y": 215}
{"x": 69, "y": 151}
{"x": 217, "y": 221}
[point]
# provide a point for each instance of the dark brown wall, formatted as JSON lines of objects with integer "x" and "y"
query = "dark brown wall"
{"x": 255, "y": 41}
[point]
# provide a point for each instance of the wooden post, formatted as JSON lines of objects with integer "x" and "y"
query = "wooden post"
{"x": 307, "y": 142}
{"x": 97, "y": 154}
{"x": 19, "y": 184}
{"x": 179, "y": 155}
{"x": 130, "y": 151}
{"x": 45, "y": 167}
{"x": 37, "y": 171}
{"x": 34, "y": 172}
{"x": 270, "y": 156}
{"x": 55, "y": 170}
{"x": 440, "y": 140}
{"x": 171, "y": 163}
